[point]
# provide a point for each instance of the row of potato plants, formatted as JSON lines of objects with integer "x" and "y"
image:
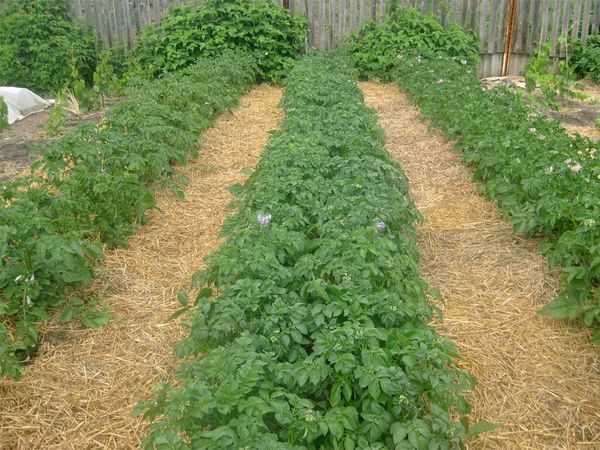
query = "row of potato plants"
{"x": 309, "y": 328}
{"x": 546, "y": 181}
{"x": 91, "y": 188}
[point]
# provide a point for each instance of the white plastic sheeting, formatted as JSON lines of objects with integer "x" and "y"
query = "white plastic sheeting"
{"x": 21, "y": 102}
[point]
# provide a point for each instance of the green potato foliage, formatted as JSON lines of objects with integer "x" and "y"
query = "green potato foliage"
{"x": 375, "y": 47}
{"x": 3, "y": 115}
{"x": 546, "y": 182}
{"x": 310, "y": 330}
{"x": 540, "y": 73}
{"x": 96, "y": 187}
{"x": 273, "y": 35}
{"x": 40, "y": 46}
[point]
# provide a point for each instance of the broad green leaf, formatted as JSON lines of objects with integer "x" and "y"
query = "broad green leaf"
{"x": 562, "y": 307}
{"x": 482, "y": 427}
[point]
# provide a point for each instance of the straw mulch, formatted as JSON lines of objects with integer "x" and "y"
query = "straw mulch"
{"x": 80, "y": 392}
{"x": 539, "y": 378}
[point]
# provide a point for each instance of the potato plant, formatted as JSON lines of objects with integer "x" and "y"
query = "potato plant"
{"x": 547, "y": 182}
{"x": 96, "y": 185}
{"x": 310, "y": 329}
{"x": 3, "y": 115}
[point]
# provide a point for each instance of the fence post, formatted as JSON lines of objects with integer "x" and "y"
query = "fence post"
{"x": 512, "y": 7}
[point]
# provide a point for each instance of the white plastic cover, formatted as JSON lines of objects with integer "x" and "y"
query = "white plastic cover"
{"x": 21, "y": 102}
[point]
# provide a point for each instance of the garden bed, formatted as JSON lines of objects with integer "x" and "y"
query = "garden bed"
{"x": 80, "y": 390}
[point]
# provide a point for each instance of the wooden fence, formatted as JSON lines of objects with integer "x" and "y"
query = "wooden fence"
{"x": 509, "y": 29}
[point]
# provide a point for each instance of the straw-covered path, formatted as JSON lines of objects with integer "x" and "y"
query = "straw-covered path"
{"x": 80, "y": 392}
{"x": 538, "y": 377}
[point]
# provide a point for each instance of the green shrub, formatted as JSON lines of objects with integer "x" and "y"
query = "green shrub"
{"x": 40, "y": 47}
{"x": 585, "y": 58}
{"x": 273, "y": 35}
{"x": 3, "y": 115}
{"x": 376, "y": 46}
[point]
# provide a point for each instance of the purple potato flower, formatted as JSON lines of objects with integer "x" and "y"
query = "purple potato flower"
{"x": 380, "y": 225}
{"x": 263, "y": 219}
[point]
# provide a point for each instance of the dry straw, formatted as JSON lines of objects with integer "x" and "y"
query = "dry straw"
{"x": 538, "y": 377}
{"x": 79, "y": 393}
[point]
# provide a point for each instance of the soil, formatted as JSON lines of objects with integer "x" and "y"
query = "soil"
{"x": 577, "y": 116}
{"x": 25, "y": 139}
{"x": 17, "y": 144}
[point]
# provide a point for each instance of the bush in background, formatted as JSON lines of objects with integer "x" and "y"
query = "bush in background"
{"x": 376, "y": 46}
{"x": 273, "y": 35}
{"x": 585, "y": 58}
{"x": 40, "y": 47}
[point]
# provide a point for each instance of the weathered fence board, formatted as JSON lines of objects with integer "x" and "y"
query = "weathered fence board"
{"x": 120, "y": 21}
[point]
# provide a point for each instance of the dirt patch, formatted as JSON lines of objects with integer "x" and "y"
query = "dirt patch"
{"x": 21, "y": 144}
{"x": 537, "y": 377}
{"x": 18, "y": 143}
{"x": 577, "y": 116}
{"x": 80, "y": 391}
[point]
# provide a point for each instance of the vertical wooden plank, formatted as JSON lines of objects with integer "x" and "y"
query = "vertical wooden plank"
{"x": 310, "y": 15}
{"x": 86, "y": 11}
{"x": 483, "y": 25}
{"x": 382, "y": 10}
{"x": 555, "y": 23}
{"x": 157, "y": 10}
{"x": 116, "y": 14}
{"x": 128, "y": 23}
{"x": 342, "y": 20}
{"x": 525, "y": 25}
{"x": 493, "y": 26}
{"x": 534, "y": 32}
{"x": 321, "y": 24}
{"x": 78, "y": 9}
{"x": 596, "y": 21}
{"x": 520, "y": 27}
{"x": 455, "y": 11}
{"x": 362, "y": 12}
{"x": 585, "y": 22}
{"x": 353, "y": 14}
{"x": 500, "y": 35}
{"x": 136, "y": 15}
{"x": 147, "y": 12}
{"x": 566, "y": 19}
{"x": 444, "y": 13}
{"x": 107, "y": 23}
{"x": 463, "y": 12}
{"x": 545, "y": 19}
{"x": 331, "y": 20}
{"x": 576, "y": 23}
{"x": 99, "y": 29}
{"x": 473, "y": 15}
{"x": 373, "y": 5}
